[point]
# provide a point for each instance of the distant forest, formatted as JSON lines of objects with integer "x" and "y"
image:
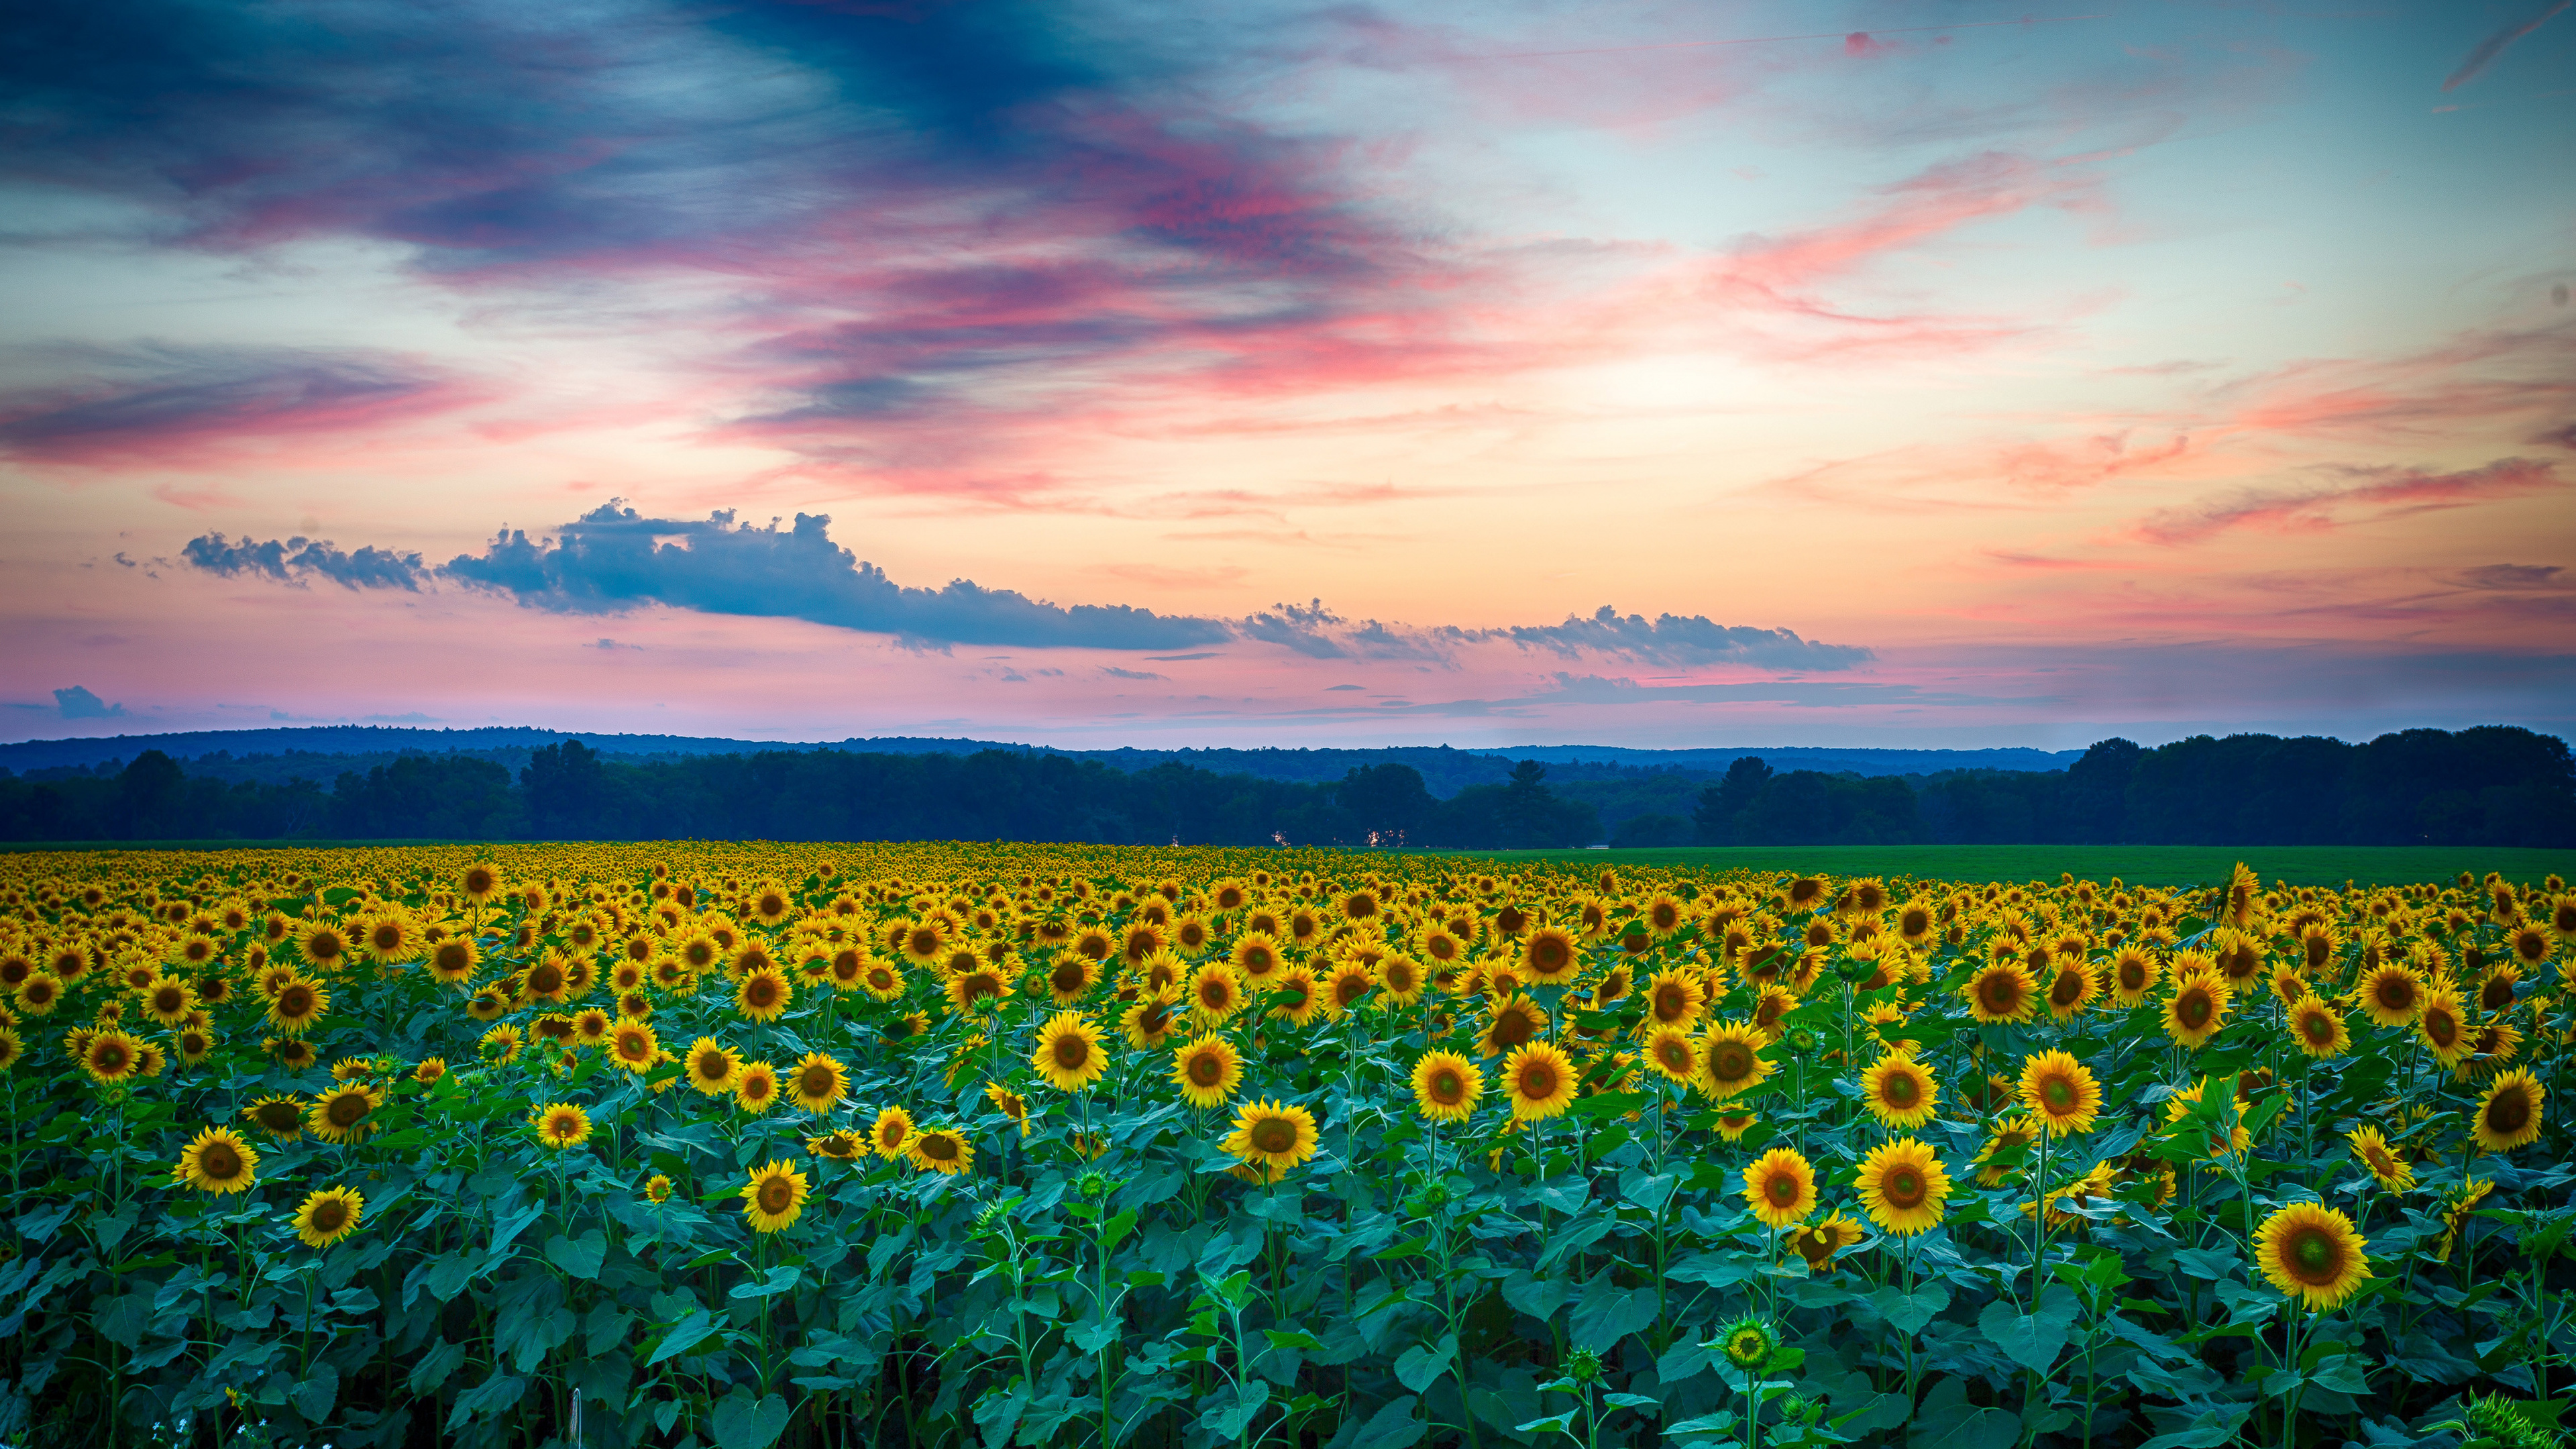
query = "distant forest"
{"x": 2494, "y": 785}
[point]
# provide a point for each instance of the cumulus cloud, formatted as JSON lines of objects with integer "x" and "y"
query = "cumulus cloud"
{"x": 78, "y": 703}
{"x": 293, "y": 560}
{"x": 1672, "y": 639}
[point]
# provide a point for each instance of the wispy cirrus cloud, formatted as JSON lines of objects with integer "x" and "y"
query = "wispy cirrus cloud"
{"x": 161, "y": 402}
{"x": 2363, "y": 493}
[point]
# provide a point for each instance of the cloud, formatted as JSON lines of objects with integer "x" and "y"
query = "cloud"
{"x": 1675, "y": 640}
{"x": 294, "y": 560}
{"x": 2483, "y": 54}
{"x": 2513, "y": 577}
{"x": 1306, "y": 628}
{"x": 171, "y": 403}
{"x": 2385, "y": 492}
{"x": 78, "y": 703}
{"x": 1115, "y": 672}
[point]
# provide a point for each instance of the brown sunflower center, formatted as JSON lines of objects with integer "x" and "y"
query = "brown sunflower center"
{"x": 1447, "y": 1087}
{"x": 1072, "y": 1052}
{"x": 2058, "y": 1093}
{"x": 817, "y": 1081}
{"x": 330, "y": 1215}
{"x": 1538, "y": 1081}
{"x": 2193, "y": 1009}
{"x": 2069, "y": 988}
{"x": 219, "y": 1162}
{"x": 1901, "y": 1090}
{"x": 346, "y": 1109}
{"x": 1206, "y": 1070}
{"x": 777, "y": 1195}
{"x": 1999, "y": 992}
{"x": 2509, "y": 1112}
{"x": 1903, "y": 1187}
{"x": 1273, "y": 1135}
{"x": 2313, "y": 1256}
{"x": 1730, "y": 1061}
{"x": 1780, "y": 1188}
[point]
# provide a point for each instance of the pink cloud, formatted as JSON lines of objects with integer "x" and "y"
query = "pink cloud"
{"x": 2388, "y": 492}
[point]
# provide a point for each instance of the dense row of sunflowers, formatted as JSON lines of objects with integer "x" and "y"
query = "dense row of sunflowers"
{"x": 967, "y": 1145}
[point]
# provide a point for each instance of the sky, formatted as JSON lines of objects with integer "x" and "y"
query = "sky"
{"x": 1750, "y": 372}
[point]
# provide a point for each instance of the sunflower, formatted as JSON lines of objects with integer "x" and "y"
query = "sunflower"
{"x": 1548, "y": 954}
{"x": 977, "y": 990}
{"x": 1446, "y": 1086}
{"x": 891, "y": 1136}
{"x": 2392, "y": 995}
{"x": 1068, "y": 1052}
{"x": 2059, "y": 1092}
{"x": 111, "y": 1057}
{"x": 2234, "y": 1141}
{"x": 1304, "y": 1001}
{"x": 838, "y": 1146}
{"x": 1150, "y": 1019}
{"x": 1272, "y": 1137}
{"x": 1009, "y": 1103}
{"x": 2197, "y": 1008}
{"x": 1731, "y": 1060}
{"x": 2529, "y": 944}
{"x": 455, "y": 959}
{"x": 1516, "y": 1022}
{"x": 340, "y": 1115}
{"x": 1400, "y": 981}
{"x": 323, "y": 943}
{"x": 1216, "y": 994}
{"x": 818, "y": 1083}
{"x": 169, "y": 1000}
{"x": 2509, "y": 1115}
{"x": 1898, "y": 1091}
{"x": 2073, "y": 987}
{"x": 430, "y": 1071}
{"x": 1539, "y": 1079}
{"x": 712, "y": 1067}
{"x": 657, "y": 1188}
{"x": 1903, "y": 1187}
{"x": 1071, "y": 977}
{"x": 328, "y": 1216}
{"x": 942, "y": 1151}
{"x": 40, "y": 993}
{"x": 1780, "y": 1187}
{"x": 633, "y": 1046}
{"x": 1672, "y": 1054}
{"x": 2003, "y": 991}
{"x": 1818, "y": 1242}
{"x": 1675, "y": 997}
{"x": 1346, "y": 987}
{"x": 297, "y": 1005}
{"x": 756, "y": 1088}
{"x": 1734, "y": 1122}
{"x": 1207, "y": 1071}
{"x": 2310, "y": 1252}
{"x": 480, "y": 883}
{"x": 774, "y": 1197}
{"x": 2442, "y": 1028}
{"x": 763, "y": 994}
{"x": 2319, "y": 1029}
{"x": 217, "y": 1161}
{"x": 2371, "y": 1149}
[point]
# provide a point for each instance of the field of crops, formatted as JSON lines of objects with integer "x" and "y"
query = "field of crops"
{"x": 961, "y": 1145}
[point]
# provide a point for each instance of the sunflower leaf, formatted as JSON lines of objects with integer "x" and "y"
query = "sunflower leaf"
{"x": 2034, "y": 1339}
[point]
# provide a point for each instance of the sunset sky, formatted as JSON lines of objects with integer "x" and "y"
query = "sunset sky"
{"x": 1924, "y": 373}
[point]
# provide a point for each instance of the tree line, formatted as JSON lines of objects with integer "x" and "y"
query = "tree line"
{"x": 2493, "y": 785}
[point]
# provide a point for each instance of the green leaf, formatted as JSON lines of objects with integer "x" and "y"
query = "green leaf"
{"x": 1424, "y": 1364}
{"x": 435, "y": 1364}
{"x": 2343, "y": 1373}
{"x": 743, "y": 1422}
{"x": 687, "y": 1334}
{"x": 315, "y": 1392}
{"x": 1391, "y": 1427}
{"x": 1559, "y": 1423}
{"x": 1910, "y": 1314}
{"x": 1226, "y": 1413}
{"x": 1607, "y": 1313}
{"x": 578, "y": 1257}
{"x": 769, "y": 1285}
{"x": 2032, "y": 1340}
{"x": 492, "y": 1396}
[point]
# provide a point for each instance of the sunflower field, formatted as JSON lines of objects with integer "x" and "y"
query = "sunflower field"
{"x": 747, "y": 1145}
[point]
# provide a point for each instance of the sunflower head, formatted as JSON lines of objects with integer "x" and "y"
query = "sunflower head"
{"x": 1207, "y": 1071}
{"x": 1749, "y": 1344}
{"x": 1446, "y": 1086}
{"x": 774, "y": 1197}
{"x": 1780, "y": 1187}
{"x": 217, "y": 1161}
{"x": 1272, "y": 1137}
{"x": 2509, "y": 1115}
{"x": 2311, "y": 1253}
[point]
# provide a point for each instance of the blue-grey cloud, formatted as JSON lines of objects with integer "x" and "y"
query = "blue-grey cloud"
{"x": 2483, "y": 54}
{"x": 613, "y": 559}
{"x": 293, "y": 560}
{"x": 1115, "y": 672}
{"x": 1309, "y": 629}
{"x": 78, "y": 703}
{"x": 164, "y": 398}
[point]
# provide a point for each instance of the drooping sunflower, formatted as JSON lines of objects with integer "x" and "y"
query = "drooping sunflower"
{"x": 1446, "y": 1086}
{"x": 2059, "y": 1092}
{"x": 774, "y": 1197}
{"x": 2233, "y": 1140}
{"x": 2509, "y": 1114}
{"x": 2393, "y": 995}
{"x": 2371, "y": 1149}
{"x": 1539, "y": 1080}
{"x": 216, "y": 1160}
{"x": 1731, "y": 1060}
{"x": 1903, "y": 1187}
{"x": 279, "y": 1117}
{"x": 340, "y": 1115}
{"x": 1780, "y": 1187}
{"x": 755, "y": 1087}
{"x": 891, "y": 1135}
{"x": 1818, "y": 1242}
{"x": 328, "y": 1216}
{"x": 713, "y": 1067}
{"x": 2003, "y": 991}
{"x": 2310, "y": 1252}
{"x": 2197, "y": 1008}
{"x": 561, "y": 1125}
{"x": 1068, "y": 1052}
{"x": 818, "y": 1083}
{"x": 1207, "y": 1071}
{"x": 1734, "y": 1122}
{"x": 978, "y": 990}
{"x": 1272, "y": 1138}
{"x": 1898, "y": 1090}
{"x": 2319, "y": 1029}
